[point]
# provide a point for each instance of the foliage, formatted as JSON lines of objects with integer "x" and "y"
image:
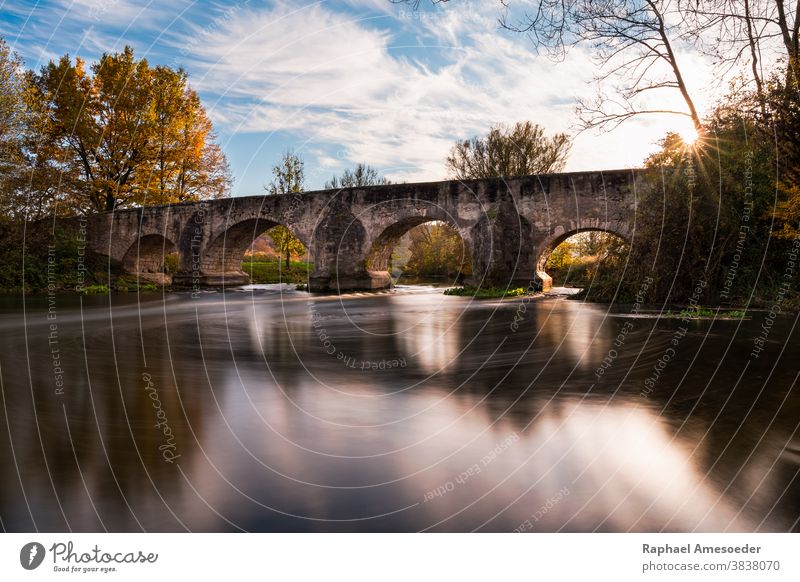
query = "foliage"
{"x": 99, "y": 289}
{"x": 275, "y": 272}
{"x": 484, "y": 292}
{"x": 519, "y": 150}
{"x": 37, "y": 258}
{"x": 671, "y": 155}
{"x": 288, "y": 177}
{"x": 704, "y": 313}
{"x": 286, "y": 243}
{"x": 562, "y": 257}
{"x": 171, "y": 263}
{"x": 717, "y": 225}
{"x": 437, "y": 250}
{"x": 362, "y": 175}
{"x": 12, "y": 119}
{"x": 117, "y": 133}
{"x": 184, "y": 161}
{"x": 578, "y": 260}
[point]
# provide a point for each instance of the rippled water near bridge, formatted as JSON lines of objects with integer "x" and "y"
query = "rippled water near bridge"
{"x": 276, "y": 410}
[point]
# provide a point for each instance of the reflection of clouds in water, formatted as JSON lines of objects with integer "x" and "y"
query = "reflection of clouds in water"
{"x": 624, "y": 471}
{"x": 428, "y": 330}
{"x": 371, "y": 442}
{"x": 577, "y": 330}
{"x": 432, "y": 345}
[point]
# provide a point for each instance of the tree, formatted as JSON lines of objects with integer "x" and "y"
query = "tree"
{"x": 437, "y": 250}
{"x": 286, "y": 243}
{"x": 747, "y": 32}
{"x": 185, "y": 162}
{"x": 362, "y": 175}
{"x": 288, "y": 177}
{"x": 13, "y": 118}
{"x": 631, "y": 41}
{"x": 12, "y": 108}
{"x": 130, "y": 134}
{"x": 520, "y": 150}
{"x": 672, "y": 153}
{"x": 633, "y": 44}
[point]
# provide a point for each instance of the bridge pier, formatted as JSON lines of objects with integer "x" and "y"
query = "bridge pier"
{"x": 502, "y": 254}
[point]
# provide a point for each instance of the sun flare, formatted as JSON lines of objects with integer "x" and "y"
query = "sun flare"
{"x": 689, "y": 136}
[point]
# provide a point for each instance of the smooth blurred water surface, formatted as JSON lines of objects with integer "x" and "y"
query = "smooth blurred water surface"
{"x": 400, "y": 411}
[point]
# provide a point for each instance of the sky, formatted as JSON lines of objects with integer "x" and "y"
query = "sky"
{"x": 347, "y": 81}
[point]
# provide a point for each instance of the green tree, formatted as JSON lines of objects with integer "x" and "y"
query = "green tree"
{"x": 288, "y": 177}
{"x": 519, "y": 150}
{"x": 672, "y": 153}
{"x": 362, "y": 175}
{"x": 710, "y": 219}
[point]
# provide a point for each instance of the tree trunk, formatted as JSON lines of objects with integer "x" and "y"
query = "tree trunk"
{"x": 753, "y": 42}
{"x": 673, "y": 62}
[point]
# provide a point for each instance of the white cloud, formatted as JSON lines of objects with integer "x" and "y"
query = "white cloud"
{"x": 338, "y": 81}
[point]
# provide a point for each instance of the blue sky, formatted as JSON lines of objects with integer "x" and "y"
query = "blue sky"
{"x": 341, "y": 82}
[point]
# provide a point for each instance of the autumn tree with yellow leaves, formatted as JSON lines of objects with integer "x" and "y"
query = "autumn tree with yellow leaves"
{"x": 122, "y": 133}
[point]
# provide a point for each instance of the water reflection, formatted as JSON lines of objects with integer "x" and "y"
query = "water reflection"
{"x": 393, "y": 412}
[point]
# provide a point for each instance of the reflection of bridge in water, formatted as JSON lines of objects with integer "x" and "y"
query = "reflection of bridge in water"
{"x": 276, "y": 433}
{"x": 509, "y": 226}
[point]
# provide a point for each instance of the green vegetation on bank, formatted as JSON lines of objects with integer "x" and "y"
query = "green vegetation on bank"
{"x": 39, "y": 260}
{"x": 275, "y": 271}
{"x": 484, "y": 292}
{"x": 705, "y": 313}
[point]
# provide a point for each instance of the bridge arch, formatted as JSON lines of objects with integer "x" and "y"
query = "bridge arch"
{"x": 225, "y": 251}
{"x": 546, "y": 247}
{"x": 378, "y": 260}
{"x": 145, "y": 258}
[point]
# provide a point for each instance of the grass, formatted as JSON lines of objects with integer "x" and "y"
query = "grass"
{"x": 276, "y": 272}
{"x": 94, "y": 290}
{"x": 705, "y": 313}
{"x": 484, "y": 292}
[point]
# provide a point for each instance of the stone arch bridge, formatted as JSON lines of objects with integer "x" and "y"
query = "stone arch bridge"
{"x": 509, "y": 226}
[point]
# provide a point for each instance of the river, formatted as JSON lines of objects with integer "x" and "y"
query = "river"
{"x": 270, "y": 409}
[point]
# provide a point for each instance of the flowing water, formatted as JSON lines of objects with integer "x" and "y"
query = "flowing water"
{"x": 275, "y": 410}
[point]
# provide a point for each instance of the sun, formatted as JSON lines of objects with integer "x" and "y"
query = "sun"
{"x": 689, "y": 136}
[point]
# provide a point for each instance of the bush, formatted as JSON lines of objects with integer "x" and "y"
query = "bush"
{"x": 274, "y": 271}
{"x": 95, "y": 290}
{"x": 484, "y": 292}
{"x": 38, "y": 259}
{"x": 171, "y": 263}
